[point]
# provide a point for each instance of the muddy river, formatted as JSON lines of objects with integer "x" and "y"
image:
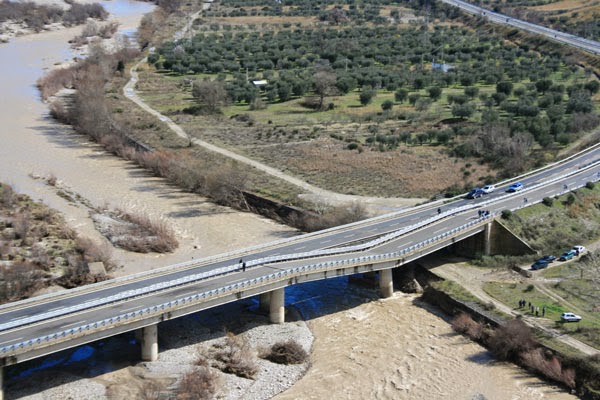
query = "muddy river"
{"x": 391, "y": 349}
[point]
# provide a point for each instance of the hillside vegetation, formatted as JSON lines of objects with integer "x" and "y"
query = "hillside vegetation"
{"x": 372, "y": 100}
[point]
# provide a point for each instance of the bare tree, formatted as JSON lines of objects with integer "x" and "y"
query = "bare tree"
{"x": 325, "y": 80}
{"x": 210, "y": 94}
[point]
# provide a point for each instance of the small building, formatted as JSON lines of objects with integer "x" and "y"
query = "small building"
{"x": 443, "y": 67}
{"x": 260, "y": 83}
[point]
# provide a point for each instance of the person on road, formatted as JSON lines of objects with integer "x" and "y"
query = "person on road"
{"x": 439, "y": 211}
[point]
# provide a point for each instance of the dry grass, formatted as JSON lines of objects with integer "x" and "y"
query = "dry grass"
{"x": 415, "y": 171}
{"x": 136, "y": 232}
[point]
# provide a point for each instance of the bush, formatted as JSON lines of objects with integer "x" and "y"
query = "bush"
{"x": 289, "y": 352}
{"x": 464, "y": 324}
{"x": 197, "y": 385}
{"x": 237, "y": 358}
{"x": 549, "y": 366}
{"x": 511, "y": 339}
{"x": 547, "y": 201}
{"x": 506, "y": 214}
{"x": 590, "y": 185}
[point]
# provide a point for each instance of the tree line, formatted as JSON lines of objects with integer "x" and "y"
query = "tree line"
{"x": 36, "y": 16}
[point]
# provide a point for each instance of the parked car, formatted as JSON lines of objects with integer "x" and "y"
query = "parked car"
{"x": 569, "y": 317}
{"x": 475, "y": 193}
{"x": 515, "y": 187}
{"x": 539, "y": 265}
{"x": 548, "y": 259}
{"x": 567, "y": 255}
{"x": 487, "y": 189}
{"x": 579, "y": 250}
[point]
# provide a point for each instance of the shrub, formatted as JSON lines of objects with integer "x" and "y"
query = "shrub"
{"x": 511, "y": 339}
{"x": 548, "y": 365}
{"x": 506, "y": 214}
{"x": 464, "y": 324}
{"x": 547, "y": 201}
{"x": 590, "y": 185}
{"x": 289, "y": 352}
{"x": 199, "y": 384}
{"x": 237, "y": 358}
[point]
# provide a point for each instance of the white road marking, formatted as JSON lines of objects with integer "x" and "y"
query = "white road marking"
{"x": 73, "y": 324}
{"x": 300, "y": 248}
{"x": 347, "y": 236}
{"x": 326, "y": 241}
{"x": 404, "y": 244}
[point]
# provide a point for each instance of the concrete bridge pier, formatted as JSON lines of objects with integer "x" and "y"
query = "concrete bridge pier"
{"x": 487, "y": 239}
{"x": 264, "y": 301}
{"x": 277, "y": 306}
{"x": 150, "y": 343}
{"x": 386, "y": 282}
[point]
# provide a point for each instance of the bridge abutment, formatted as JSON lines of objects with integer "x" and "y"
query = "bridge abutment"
{"x": 495, "y": 239}
{"x": 386, "y": 282}
{"x": 150, "y": 343}
{"x": 277, "y": 306}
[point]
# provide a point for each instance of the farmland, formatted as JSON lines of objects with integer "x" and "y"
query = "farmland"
{"x": 371, "y": 100}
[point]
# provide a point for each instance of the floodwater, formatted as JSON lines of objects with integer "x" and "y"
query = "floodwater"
{"x": 32, "y": 145}
{"x": 364, "y": 348}
{"x": 397, "y": 348}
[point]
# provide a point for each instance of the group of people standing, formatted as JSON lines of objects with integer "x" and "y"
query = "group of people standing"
{"x": 532, "y": 308}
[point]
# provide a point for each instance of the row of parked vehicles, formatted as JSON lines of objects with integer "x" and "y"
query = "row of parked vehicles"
{"x": 567, "y": 255}
{"x": 487, "y": 189}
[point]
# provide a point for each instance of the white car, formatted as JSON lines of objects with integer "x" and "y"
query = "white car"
{"x": 570, "y": 317}
{"x": 488, "y": 189}
{"x": 579, "y": 249}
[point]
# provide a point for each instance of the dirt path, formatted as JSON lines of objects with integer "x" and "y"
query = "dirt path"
{"x": 473, "y": 278}
{"x": 375, "y": 205}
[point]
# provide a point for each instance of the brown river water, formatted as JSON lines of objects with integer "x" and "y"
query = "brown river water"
{"x": 390, "y": 349}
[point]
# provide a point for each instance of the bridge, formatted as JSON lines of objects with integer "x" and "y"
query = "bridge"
{"x": 50, "y": 323}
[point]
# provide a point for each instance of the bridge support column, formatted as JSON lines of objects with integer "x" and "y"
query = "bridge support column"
{"x": 386, "y": 282}
{"x": 150, "y": 343}
{"x": 264, "y": 300}
{"x": 277, "y": 306}
{"x": 487, "y": 239}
